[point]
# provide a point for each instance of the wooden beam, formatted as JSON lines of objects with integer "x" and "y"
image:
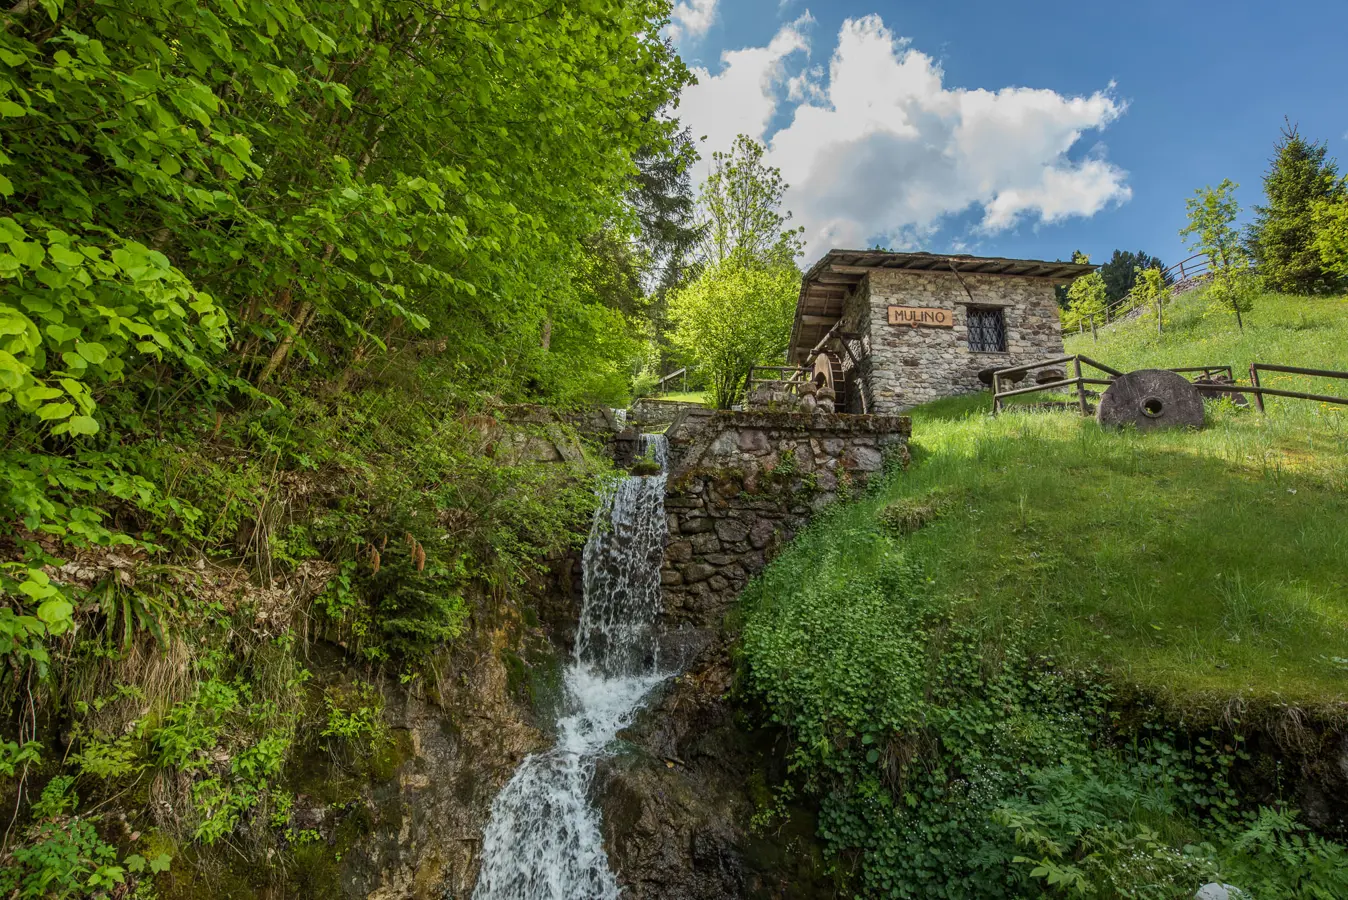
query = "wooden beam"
{"x": 850, "y": 270}
{"x": 819, "y": 320}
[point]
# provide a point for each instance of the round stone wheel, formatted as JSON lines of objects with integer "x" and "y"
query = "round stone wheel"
{"x": 1151, "y": 398}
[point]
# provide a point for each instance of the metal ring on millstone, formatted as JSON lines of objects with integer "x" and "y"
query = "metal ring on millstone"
{"x": 1151, "y": 398}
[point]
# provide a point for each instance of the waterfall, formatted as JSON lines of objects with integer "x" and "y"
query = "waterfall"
{"x": 544, "y": 840}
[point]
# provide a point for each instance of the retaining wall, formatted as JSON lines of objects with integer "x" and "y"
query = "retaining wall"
{"x": 742, "y": 484}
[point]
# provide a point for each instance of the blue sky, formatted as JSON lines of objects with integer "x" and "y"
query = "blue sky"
{"x": 901, "y": 123}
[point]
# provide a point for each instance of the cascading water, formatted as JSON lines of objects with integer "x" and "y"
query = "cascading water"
{"x": 543, "y": 841}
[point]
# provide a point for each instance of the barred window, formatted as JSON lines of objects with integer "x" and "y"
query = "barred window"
{"x": 987, "y": 331}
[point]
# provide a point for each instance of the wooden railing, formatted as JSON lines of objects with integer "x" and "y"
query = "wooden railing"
{"x": 1181, "y": 278}
{"x": 1208, "y": 385}
{"x": 1078, "y": 380}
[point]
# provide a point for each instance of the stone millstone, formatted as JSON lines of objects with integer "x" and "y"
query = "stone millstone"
{"x": 1151, "y": 398}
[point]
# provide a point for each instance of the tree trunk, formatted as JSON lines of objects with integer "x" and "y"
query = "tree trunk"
{"x": 278, "y": 356}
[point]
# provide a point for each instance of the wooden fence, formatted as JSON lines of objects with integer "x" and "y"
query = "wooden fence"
{"x": 1079, "y": 381}
{"x": 1181, "y": 278}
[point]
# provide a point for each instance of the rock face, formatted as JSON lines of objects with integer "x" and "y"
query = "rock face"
{"x": 678, "y": 806}
{"x": 428, "y": 819}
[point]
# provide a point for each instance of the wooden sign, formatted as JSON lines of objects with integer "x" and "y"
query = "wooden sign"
{"x": 923, "y": 316}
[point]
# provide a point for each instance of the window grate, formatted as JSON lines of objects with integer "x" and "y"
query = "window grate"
{"x": 987, "y": 331}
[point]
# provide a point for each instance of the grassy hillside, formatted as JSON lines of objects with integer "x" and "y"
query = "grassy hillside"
{"x": 1037, "y": 642}
{"x": 1305, "y": 331}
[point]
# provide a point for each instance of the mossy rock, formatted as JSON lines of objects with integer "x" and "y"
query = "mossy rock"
{"x": 645, "y": 467}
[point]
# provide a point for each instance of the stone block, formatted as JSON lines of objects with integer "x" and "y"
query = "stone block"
{"x": 717, "y": 583}
{"x": 670, "y": 577}
{"x": 697, "y": 572}
{"x": 731, "y": 530}
{"x": 865, "y": 459}
{"x": 753, "y": 563}
{"x": 760, "y": 534}
{"x": 698, "y": 525}
{"x": 679, "y": 551}
{"x": 705, "y": 543}
{"x": 752, "y": 441}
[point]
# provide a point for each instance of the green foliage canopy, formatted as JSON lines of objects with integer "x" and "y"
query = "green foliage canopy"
{"x": 1120, "y": 273}
{"x": 739, "y": 210}
{"x": 735, "y": 314}
{"x": 1330, "y": 219}
{"x": 1086, "y": 297}
{"x": 1212, "y": 212}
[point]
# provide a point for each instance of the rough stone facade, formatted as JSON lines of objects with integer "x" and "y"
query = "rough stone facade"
{"x": 741, "y": 484}
{"x": 902, "y": 366}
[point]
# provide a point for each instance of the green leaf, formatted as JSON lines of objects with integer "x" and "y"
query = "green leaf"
{"x": 56, "y": 614}
{"x": 83, "y": 425}
{"x": 65, "y": 256}
{"x": 93, "y": 351}
{"x": 11, "y": 110}
{"x": 50, "y": 411}
{"x": 160, "y": 863}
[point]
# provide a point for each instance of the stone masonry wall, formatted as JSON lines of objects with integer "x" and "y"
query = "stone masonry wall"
{"x": 908, "y": 366}
{"x": 741, "y": 484}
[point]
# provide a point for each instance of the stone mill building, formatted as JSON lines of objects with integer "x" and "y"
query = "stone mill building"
{"x": 891, "y": 330}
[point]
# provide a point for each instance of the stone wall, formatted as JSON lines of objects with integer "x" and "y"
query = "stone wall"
{"x": 652, "y": 411}
{"x": 905, "y": 366}
{"x": 741, "y": 484}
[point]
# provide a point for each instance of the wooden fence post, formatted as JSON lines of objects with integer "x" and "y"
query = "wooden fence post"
{"x": 996, "y": 389}
{"x": 1093, "y": 335}
{"x": 1254, "y": 382}
{"x": 1081, "y": 387}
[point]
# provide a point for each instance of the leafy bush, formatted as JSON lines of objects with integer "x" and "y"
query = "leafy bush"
{"x": 950, "y": 759}
{"x": 62, "y": 854}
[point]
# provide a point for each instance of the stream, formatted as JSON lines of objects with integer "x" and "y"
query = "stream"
{"x": 544, "y": 840}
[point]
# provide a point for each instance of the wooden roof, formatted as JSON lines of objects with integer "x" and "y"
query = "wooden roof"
{"x": 828, "y": 283}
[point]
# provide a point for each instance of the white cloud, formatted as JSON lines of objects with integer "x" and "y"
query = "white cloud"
{"x": 881, "y": 147}
{"x": 742, "y": 97}
{"x": 691, "y": 19}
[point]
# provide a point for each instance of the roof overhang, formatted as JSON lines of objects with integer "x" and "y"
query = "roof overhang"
{"x": 828, "y": 283}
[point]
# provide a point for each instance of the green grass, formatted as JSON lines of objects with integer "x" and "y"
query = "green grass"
{"x": 685, "y": 397}
{"x": 1200, "y": 567}
{"x": 1203, "y": 567}
{"x": 1300, "y": 331}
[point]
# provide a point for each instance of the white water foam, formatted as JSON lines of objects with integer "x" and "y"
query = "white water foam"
{"x": 544, "y": 840}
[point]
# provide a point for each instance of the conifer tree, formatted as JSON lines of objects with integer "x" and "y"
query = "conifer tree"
{"x": 1280, "y": 240}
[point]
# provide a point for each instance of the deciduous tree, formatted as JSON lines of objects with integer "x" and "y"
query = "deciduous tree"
{"x": 1085, "y": 298}
{"x": 1330, "y": 221}
{"x": 735, "y": 314}
{"x": 1212, "y": 213}
{"x": 1211, "y": 230}
{"x": 740, "y": 209}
